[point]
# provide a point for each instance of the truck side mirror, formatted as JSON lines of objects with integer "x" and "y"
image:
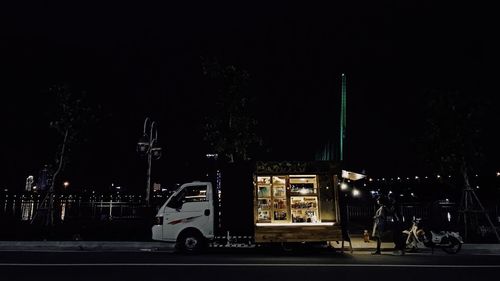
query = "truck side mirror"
{"x": 178, "y": 205}
{"x": 175, "y": 204}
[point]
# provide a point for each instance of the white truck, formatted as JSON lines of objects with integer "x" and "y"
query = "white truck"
{"x": 254, "y": 203}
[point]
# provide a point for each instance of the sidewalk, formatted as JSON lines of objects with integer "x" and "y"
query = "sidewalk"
{"x": 84, "y": 246}
{"x": 357, "y": 244}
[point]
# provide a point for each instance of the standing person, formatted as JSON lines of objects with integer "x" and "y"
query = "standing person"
{"x": 394, "y": 212}
{"x": 379, "y": 221}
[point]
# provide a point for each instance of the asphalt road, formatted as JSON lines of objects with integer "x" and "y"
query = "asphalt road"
{"x": 245, "y": 265}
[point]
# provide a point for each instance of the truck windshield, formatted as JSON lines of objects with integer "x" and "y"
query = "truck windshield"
{"x": 195, "y": 193}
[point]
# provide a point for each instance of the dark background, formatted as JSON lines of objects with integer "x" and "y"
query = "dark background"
{"x": 144, "y": 59}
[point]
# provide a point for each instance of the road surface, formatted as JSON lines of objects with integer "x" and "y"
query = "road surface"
{"x": 234, "y": 264}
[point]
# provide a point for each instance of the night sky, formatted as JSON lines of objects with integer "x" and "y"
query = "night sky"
{"x": 144, "y": 59}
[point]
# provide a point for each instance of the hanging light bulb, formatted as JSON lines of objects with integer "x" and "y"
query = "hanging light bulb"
{"x": 355, "y": 192}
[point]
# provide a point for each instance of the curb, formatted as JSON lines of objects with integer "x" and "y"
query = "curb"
{"x": 163, "y": 246}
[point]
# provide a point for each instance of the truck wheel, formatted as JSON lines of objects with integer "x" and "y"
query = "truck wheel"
{"x": 190, "y": 242}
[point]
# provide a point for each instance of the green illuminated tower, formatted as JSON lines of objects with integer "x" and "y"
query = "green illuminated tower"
{"x": 342, "y": 118}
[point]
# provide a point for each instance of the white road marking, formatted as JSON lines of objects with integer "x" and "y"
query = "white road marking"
{"x": 241, "y": 265}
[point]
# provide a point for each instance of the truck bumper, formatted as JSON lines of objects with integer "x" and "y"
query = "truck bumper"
{"x": 157, "y": 231}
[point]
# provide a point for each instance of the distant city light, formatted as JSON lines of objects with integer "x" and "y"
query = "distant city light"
{"x": 416, "y": 177}
{"x": 118, "y": 187}
{"x": 498, "y": 174}
{"x": 438, "y": 176}
{"x": 66, "y": 184}
{"x": 343, "y": 186}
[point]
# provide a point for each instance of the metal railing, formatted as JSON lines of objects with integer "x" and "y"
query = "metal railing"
{"x": 19, "y": 207}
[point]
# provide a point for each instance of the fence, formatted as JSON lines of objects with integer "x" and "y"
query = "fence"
{"x": 438, "y": 213}
{"x": 24, "y": 207}
{"x": 368, "y": 211}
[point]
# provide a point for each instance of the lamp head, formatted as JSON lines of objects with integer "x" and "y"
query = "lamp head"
{"x": 143, "y": 145}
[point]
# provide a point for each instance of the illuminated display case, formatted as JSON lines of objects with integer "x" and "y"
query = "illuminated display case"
{"x": 264, "y": 199}
{"x": 304, "y": 209}
{"x": 287, "y": 199}
{"x": 296, "y": 202}
{"x": 280, "y": 206}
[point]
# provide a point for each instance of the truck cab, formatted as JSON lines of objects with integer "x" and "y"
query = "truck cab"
{"x": 187, "y": 217}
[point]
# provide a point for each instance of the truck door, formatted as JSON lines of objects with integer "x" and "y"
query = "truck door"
{"x": 190, "y": 207}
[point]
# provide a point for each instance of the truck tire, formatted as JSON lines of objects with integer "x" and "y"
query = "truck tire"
{"x": 190, "y": 242}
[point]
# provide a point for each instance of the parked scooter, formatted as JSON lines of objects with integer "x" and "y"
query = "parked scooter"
{"x": 415, "y": 238}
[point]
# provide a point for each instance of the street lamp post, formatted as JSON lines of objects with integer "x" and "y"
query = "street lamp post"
{"x": 146, "y": 146}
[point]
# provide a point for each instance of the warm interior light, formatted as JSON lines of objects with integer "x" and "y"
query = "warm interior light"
{"x": 279, "y": 180}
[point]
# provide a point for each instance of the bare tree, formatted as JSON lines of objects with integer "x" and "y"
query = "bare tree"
{"x": 453, "y": 137}
{"x": 70, "y": 116}
{"x": 230, "y": 127}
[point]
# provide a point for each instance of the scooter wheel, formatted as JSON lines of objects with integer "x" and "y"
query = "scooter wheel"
{"x": 454, "y": 247}
{"x": 409, "y": 247}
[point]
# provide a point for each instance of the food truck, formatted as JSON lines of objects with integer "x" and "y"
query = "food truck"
{"x": 254, "y": 203}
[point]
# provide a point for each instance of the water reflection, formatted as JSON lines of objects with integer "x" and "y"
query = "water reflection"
{"x": 27, "y": 209}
